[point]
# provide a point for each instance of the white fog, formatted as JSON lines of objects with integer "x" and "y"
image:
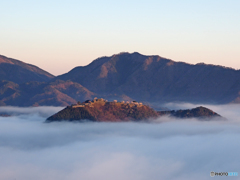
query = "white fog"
{"x": 165, "y": 149}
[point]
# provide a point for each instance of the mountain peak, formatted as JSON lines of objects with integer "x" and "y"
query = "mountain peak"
{"x": 122, "y": 76}
{"x": 154, "y": 78}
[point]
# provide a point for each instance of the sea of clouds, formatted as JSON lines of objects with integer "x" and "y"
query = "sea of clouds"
{"x": 165, "y": 149}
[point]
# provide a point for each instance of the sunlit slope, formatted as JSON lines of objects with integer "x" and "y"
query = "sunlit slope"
{"x": 104, "y": 111}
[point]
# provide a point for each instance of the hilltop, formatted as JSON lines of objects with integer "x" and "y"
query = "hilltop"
{"x": 198, "y": 112}
{"x": 103, "y": 111}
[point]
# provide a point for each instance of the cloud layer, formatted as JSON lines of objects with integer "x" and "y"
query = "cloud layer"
{"x": 166, "y": 149}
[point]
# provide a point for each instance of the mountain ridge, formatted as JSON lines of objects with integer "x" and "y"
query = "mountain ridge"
{"x": 123, "y": 76}
{"x": 21, "y": 72}
{"x": 156, "y": 78}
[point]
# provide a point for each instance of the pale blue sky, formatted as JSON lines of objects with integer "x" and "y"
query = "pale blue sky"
{"x": 60, "y": 35}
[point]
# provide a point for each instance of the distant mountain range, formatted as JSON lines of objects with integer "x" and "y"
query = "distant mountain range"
{"x": 20, "y": 72}
{"x": 122, "y": 76}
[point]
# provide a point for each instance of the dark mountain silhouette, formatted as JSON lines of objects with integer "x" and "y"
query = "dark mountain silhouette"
{"x": 56, "y": 93}
{"x": 61, "y": 93}
{"x": 8, "y": 92}
{"x": 198, "y": 112}
{"x": 101, "y": 110}
{"x": 122, "y": 76}
{"x": 20, "y": 72}
{"x": 156, "y": 79}
{"x": 4, "y": 115}
{"x": 23, "y": 84}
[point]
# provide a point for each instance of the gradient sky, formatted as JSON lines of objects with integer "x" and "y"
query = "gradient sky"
{"x": 59, "y": 35}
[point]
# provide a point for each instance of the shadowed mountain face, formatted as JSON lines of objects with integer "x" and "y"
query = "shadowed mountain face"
{"x": 20, "y": 72}
{"x": 123, "y": 76}
{"x": 198, "y": 112}
{"x": 156, "y": 79}
{"x": 57, "y": 93}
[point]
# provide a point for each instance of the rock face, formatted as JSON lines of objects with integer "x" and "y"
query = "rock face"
{"x": 102, "y": 111}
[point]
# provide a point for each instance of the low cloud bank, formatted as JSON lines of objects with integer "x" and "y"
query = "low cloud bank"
{"x": 167, "y": 149}
{"x": 229, "y": 111}
{"x": 42, "y": 111}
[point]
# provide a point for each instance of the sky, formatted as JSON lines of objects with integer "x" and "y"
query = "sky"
{"x": 60, "y": 35}
{"x": 165, "y": 149}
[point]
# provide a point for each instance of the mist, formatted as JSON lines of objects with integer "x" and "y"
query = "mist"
{"x": 168, "y": 148}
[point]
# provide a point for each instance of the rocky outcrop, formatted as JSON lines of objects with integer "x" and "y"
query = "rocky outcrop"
{"x": 198, "y": 112}
{"x": 102, "y": 111}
